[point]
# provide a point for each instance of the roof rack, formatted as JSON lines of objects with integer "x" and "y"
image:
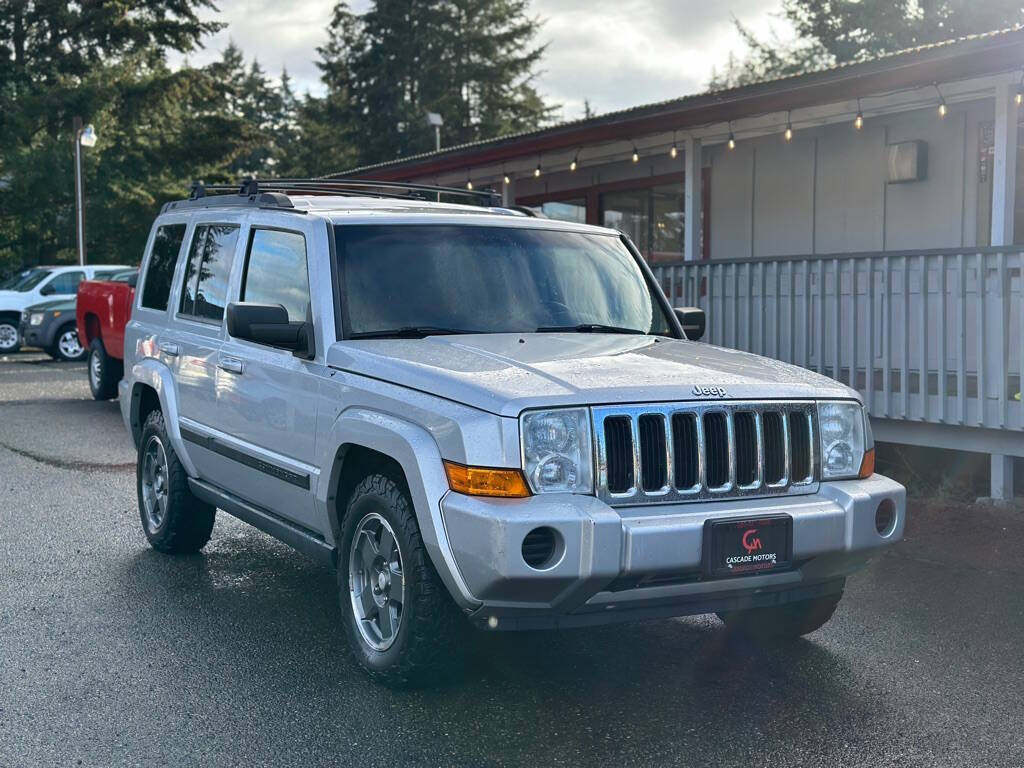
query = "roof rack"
{"x": 274, "y": 193}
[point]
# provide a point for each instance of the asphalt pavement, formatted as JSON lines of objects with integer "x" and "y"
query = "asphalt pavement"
{"x": 112, "y": 654}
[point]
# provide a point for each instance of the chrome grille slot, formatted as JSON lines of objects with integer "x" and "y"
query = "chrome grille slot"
{"x": 686, "y": 454}
{"x": 619, "y": 432}
{"x": 775, "y": 458}
{"x": 716, "y": 450}
{"x": 747, "y": 448}
{"x": 653, "y": 453}
{"x": 800, "y": 447}
{"x": 676, "y": 452}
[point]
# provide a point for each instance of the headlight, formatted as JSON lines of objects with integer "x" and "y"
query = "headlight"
{"x": 557, "y": 456}
{"x": 36, "y": 319}
{"x": 841, "y": 435}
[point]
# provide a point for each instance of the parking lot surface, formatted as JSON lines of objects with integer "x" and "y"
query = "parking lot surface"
{"x": 111, "y": 654}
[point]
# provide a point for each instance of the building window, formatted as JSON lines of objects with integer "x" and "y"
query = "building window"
{"x": 651, "y": 217}
{"x": 563, "y": 210}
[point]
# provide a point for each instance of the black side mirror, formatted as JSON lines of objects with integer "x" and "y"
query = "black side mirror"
{"x": 268, "y": 324}
{"x": 133, "y": 280}
{"x": 47, "y": 290}
{"x": 693, "y": 320}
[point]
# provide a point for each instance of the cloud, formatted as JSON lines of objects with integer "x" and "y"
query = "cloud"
{"x": 616, "y": 53}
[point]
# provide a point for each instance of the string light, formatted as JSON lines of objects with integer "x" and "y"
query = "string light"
{"x": 1018, "y": 97}
{"x": 943, "y": 109}
{"x": 575, "y": 162}
{"x": 636, "y": 155}
{"x": 469, "y": 184}
{"x": 732, "y": 138}
{"x": 505, "y": 177}
{"x": 858, "y": 121}
{"x": 537, "y": 171}
{"x": 674, "y": 152}
{"x": 788, "y": 133}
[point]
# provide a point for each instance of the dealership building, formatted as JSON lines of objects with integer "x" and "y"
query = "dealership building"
{"x": 865, "y": 221}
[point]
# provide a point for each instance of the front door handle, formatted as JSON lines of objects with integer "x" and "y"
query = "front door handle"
{"x": 231, "y": 365}
{"x": 168, "y": 348}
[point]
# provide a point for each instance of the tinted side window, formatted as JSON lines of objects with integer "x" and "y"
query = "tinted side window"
{"x": 209, "y": 268}
{"x": 156, "y": 290}
{"x": 275, "y": 272}
{"x": 66, "y": 283}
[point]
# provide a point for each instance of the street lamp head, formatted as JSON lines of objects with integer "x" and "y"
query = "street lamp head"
{"x": 88, "y": 137}
{"x": 433, "y": 118}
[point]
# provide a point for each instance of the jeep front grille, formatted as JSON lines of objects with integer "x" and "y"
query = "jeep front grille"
{"x": 675, "y": 452}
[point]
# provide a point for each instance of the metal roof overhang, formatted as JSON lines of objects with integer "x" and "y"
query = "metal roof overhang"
{"x": 987, "y": 54}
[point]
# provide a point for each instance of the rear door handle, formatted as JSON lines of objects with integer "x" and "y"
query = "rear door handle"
{"x": 231, "y": 365}
{"x": 168, "y": 348}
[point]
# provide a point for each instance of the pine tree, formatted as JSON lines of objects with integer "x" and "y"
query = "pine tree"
{"x": 840, "y": 31}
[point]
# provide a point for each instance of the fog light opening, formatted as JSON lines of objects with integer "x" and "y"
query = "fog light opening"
{"x": 543, "y": 548}
{"x": 885, "y": 518}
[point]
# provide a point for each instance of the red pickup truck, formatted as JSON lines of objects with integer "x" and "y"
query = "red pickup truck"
{"x": 103, "y": 310}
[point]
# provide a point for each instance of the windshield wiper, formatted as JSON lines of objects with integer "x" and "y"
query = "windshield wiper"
{"x": 588, "y": 328}
{"x": 410, "y": 332}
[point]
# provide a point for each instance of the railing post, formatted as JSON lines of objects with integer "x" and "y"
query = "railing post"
{"x": 692, "y": 200}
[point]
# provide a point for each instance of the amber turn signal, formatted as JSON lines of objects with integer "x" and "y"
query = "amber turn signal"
{"x": 485, "y": 481}
{"x": 867, "y": 464}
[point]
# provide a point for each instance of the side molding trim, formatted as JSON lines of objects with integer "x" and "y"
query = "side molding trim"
{"x": 260, "y": 465}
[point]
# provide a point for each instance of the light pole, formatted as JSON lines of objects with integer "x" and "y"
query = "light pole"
{"x": 84, "y": 137}
{"x": 434, "y": 119}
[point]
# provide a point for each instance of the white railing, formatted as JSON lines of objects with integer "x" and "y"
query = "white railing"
{"x": 934, "y": 336}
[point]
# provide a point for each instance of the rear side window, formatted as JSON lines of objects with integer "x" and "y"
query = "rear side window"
{"x": 205, "y": 291}
{"x": 156, "y": 291}
{"x": 275, "y": 272}
{"x": 66, "y": 283}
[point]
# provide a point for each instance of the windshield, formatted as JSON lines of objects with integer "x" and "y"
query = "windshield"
{"x": 422, "y": 279}
{"x": 26, "y": 281}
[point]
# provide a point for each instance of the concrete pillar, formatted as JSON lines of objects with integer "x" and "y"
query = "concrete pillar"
{"x": 692, "y": 194}
{"x": 1004, "y": 189}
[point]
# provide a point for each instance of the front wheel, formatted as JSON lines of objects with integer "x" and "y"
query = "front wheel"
{"x": 66, "y": 345}
{"x": 104, "y": 372}
{"x": 782, "y": 622}
{"x": 10, "y": 339}
{"x": 401, "y": 624}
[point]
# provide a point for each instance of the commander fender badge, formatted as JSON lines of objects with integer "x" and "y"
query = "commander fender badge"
{"x": 698, "y": 391}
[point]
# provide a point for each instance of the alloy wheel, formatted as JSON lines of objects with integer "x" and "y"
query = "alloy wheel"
{"x": 95, "y": 369}
{"x": 376, "y": 581}
{"x": 8, "y": 337}
{"x": 154, "y": 483}
{"x": 69, "y": 345}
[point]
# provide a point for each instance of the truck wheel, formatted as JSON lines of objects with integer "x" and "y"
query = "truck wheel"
{"x": 401, "y": 624}
{"x": 174, "y": 521}
{"x": 66, "y": 346}
{"x": 782, "y": 622}
{"x": 104, "y": 372}
{"x": 10, "y": 338}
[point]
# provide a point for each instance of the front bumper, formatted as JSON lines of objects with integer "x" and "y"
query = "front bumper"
{"x": 35, "y": 336}
{"x": 620, "y": 563}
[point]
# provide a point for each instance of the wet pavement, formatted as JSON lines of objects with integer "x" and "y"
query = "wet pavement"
{"x": 111, "y": 654}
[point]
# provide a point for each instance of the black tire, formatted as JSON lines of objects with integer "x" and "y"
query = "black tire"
{"x": 104, "y": 372}
{"x": 59, "y": 354}
{"x": 185, "y": 523}
{"x": 425, "y": 646}
{"x": 782, "y": 622}
{"x": 10, "y": 335}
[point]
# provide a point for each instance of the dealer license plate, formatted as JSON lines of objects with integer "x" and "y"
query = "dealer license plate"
{"x": 743, "y": 547}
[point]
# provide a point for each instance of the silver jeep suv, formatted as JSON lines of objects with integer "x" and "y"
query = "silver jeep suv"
{"x": 480, "y": 417}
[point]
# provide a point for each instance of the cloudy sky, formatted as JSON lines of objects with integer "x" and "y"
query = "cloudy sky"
{"x": 616, "y": 53}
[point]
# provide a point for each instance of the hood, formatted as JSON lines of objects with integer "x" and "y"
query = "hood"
{"x": 61, "y": 304}
{"x": 507, "y": 373}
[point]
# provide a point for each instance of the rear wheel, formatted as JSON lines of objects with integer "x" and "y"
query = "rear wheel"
{"x": 10, "y": 339}
{"x": 104, "y": 372}
{"x": 174, "y": 521}
{"x": 782, "y": 622}
{"x": 66, "y": 345}
{"x": 401, "y": 624}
